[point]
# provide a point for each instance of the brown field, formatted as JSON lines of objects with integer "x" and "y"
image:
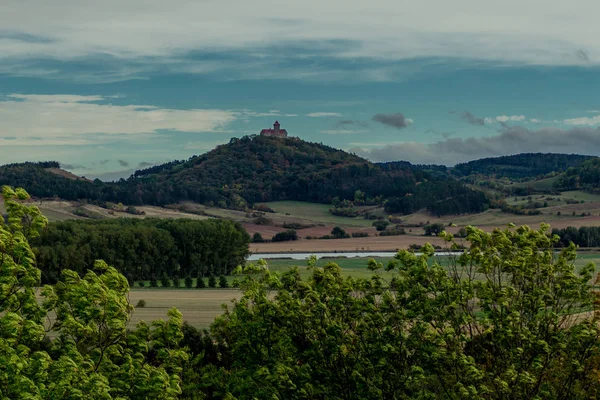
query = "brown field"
{"x": 371, "y": 243}
{"x": 199, "y": 307}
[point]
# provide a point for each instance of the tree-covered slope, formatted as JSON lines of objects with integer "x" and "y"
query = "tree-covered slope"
{"x": 42, "y": 180}
{"x": 250, "y": 170}
{"x": 520, "y": 166}
{"x": 584, "y": 177}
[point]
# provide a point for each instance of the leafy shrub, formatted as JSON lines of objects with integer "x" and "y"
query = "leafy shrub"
{"x": 257, "y": 238}
{"x": 189, "y": 282}
{"x": 263, "y": 221}
{"x": 285, "y": 236}
{"x": 212, "y": 281}
{"x": 223, "y": 282}
{"x": 339, "y": 233}
{"x": 141, "y": 304}
{"x": 359, "y": 234}
{"x": 393, "y": 232}
{"x": 380, "y": 225}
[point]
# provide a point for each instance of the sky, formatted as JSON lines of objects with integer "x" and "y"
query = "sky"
{"x": 109, "y": 87}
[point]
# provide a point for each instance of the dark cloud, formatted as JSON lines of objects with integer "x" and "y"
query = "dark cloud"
{"x": 123, "y": 163}
{"x": 349, "y": 122}
{"x": 102, "y": 162}
{"x": 582, "y": 55}
{"x": 145, "y": 164}
{"x": 396, "y": 120}
{"x": 512, "y": 140}
{"x": 470, "y": 118}
{"x": 9, "y": 137}
{"x": 73, "y": 166}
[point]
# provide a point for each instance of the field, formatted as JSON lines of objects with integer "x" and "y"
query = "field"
{"x": 201, "y": 306}
{"x": 316, "y": 213}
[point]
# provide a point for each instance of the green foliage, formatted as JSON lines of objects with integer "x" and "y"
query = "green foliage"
{"x": 189, "y": 282}
{"x": 223, "y": 282}
{"x": 439, "y": 198}
{"x": 360, "y": 234}
{"x": 141, "y": 303}
{"x": 165, "y": 281}
{"x": 583, "y": 177}
{"x": 380, "y": 225}
{"x": 433, "y": 229}
{"x": 92, "y": 354}
{"x": 520, "y": 166}
{"x": 200, "y": 283}
{"x": 257, "y": 238}
{"x": 212, "y": 281}
{"x": 393, "y": 232}
{"x": 339, "y": 233}
{"x": 497, "y": 323}
{"x": 153, "y": 282}
{"x": 285, "y": 236}
{"x": 142, "y": 248}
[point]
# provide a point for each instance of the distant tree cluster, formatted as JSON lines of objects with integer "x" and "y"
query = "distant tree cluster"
{"x": 147, "y": 249}
{"x": 583, "y": 177}
{"x": 585, "y": 236}
{"x": 520, "y": 166}
{"x": 439, "y": 198}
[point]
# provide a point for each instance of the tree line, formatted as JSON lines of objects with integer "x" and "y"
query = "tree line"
{"x": 143, "y": 249}
{"x": 585, "y": 236}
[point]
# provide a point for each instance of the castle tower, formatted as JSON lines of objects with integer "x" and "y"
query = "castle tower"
{"x": 275, "y": 132}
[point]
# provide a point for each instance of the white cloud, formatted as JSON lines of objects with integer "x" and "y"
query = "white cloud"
{"x": 583, "y": 121}
{"x": 506, "y": 118}
{"x": 71, "y": 119}
{"x": 323, "y": 114}
{"x": 162, "y": 32}
{"x": 535, "y": 120}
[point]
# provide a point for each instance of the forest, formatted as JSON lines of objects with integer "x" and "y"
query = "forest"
{"x": 583, "y": 177}
{"x": 250, "y": 170}
{"x": 520, "y": 166}
{"x": 432, "y": 331}
{"x": 142, "y": 249}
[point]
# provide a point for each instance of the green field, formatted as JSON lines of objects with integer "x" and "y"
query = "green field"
{"x": 317, "y": 213}
{"x": 200, "y": 306}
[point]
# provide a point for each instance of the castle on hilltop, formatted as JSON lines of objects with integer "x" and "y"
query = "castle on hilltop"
{"x": 276, "y": 131}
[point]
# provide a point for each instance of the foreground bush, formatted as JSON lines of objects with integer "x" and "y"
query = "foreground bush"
{"x": 504, "y": 320}
{"x": 92, "y": 354}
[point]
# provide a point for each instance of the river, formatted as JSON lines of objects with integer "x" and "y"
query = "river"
{"x": 304, "y": 256}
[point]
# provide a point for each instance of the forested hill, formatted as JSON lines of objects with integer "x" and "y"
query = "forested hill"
{"x": 520, "y": 166}
{"x": 584, "y": 177}
{"x": 256, "y": 169}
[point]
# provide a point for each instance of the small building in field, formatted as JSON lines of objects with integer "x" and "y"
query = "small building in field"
{"x": 276, "y": 131}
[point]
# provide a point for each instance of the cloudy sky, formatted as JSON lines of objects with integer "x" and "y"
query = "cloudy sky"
{"x": 106, "y": 87}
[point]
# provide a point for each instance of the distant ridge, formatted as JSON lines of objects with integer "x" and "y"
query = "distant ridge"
{"x": 255, "y": 169}
{"x": 520, "y": 166}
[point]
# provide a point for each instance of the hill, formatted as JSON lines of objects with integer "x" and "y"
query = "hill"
{"x": 583, "y": 177}
{"x": 520, "y": 166}
{"x": 260, "y": 169}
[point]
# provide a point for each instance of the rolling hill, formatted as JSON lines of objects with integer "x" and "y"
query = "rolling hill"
{"x": 520, "y": 166}
{"x": 259, "y": 169}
